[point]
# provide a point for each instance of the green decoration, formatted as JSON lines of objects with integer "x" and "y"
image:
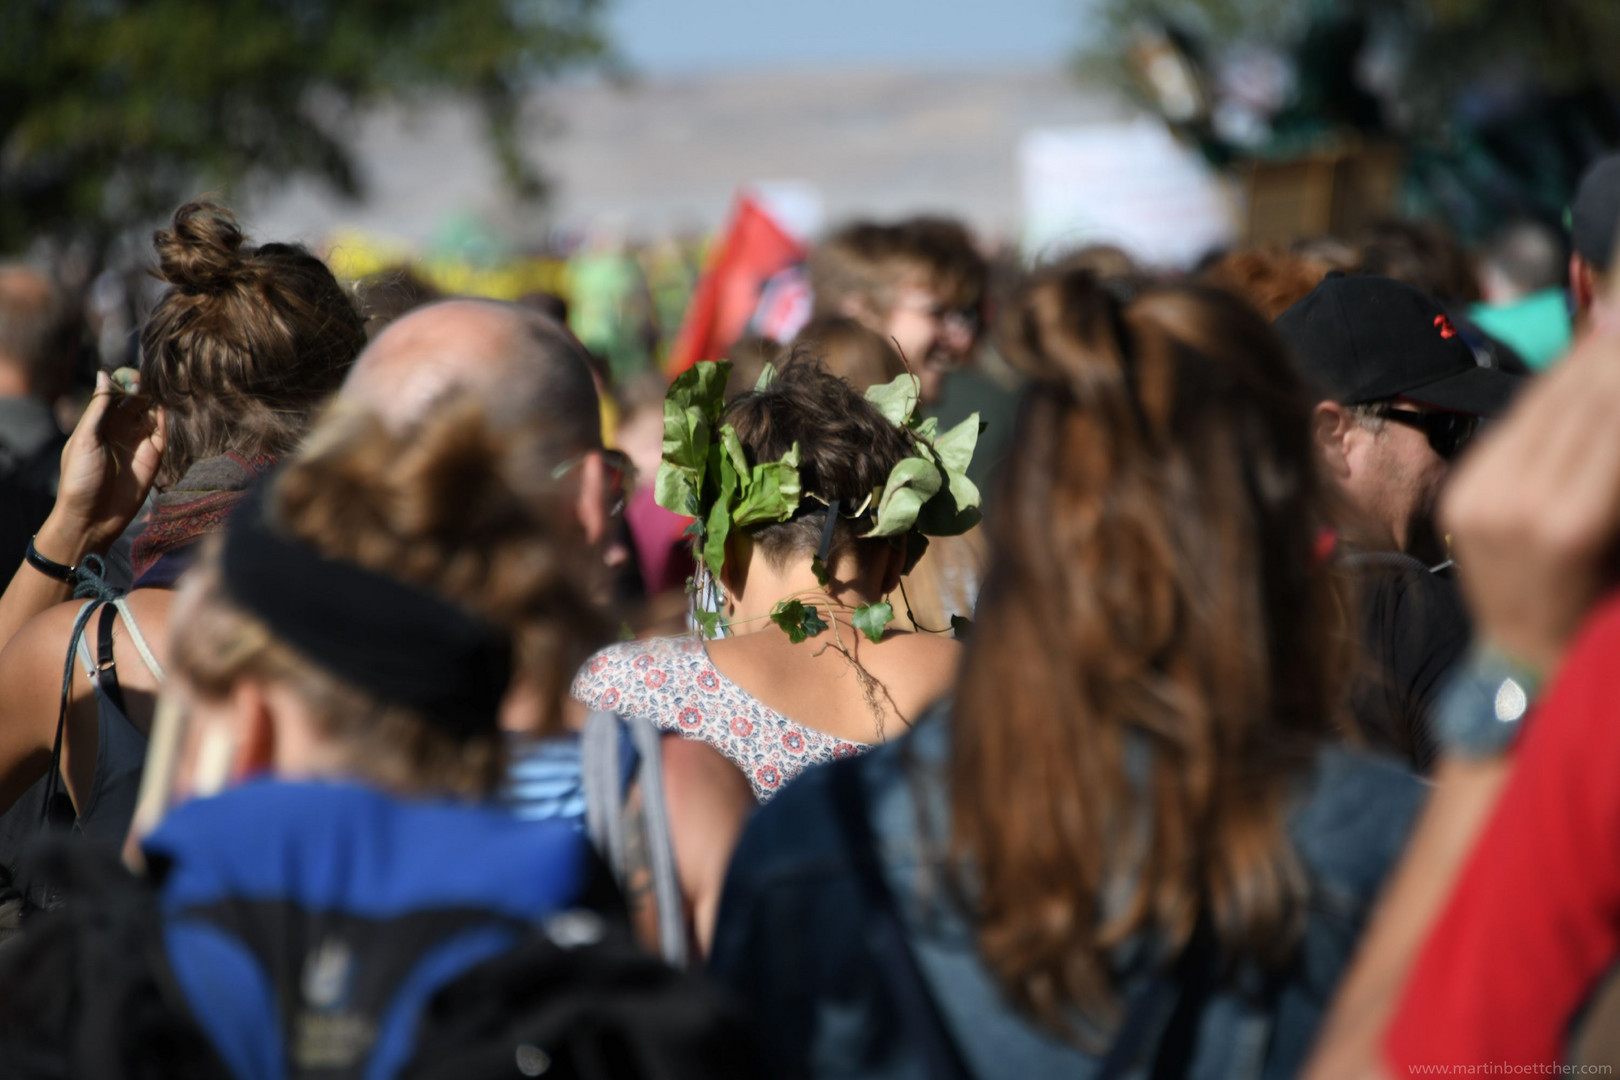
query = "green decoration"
{"x": 873, "y": 619}
{"x": 896, "y": 399}
{"x": 928, "y": 492}
{"x": 709, "y": 478}
{"x": 798, "y": 620}
{"x": 705, "y": 475}
{"x": 708, "y": 623}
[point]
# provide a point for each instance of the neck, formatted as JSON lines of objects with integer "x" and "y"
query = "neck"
{"x": 849, "y": 586}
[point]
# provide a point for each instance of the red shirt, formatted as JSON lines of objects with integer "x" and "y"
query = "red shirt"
{"x": 1534, "y": 919}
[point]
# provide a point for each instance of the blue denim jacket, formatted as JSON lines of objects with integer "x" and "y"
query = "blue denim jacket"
{"x": 790, "y": 942}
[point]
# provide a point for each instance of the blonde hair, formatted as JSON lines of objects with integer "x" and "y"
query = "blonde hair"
{"x": 453, "y": 506}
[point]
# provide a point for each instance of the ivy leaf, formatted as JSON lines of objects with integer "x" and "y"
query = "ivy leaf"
{"x": 928, "y": 429}
{"x": 708, "y": 623}
{"x": 691, "y": 409}
{"x": 961, "y": 627}
{"x": 695, "y": 528}
{"x": 911, "y": 483}
{"x": 720, "y": 519}
{"x": 896, "y": 399}
{"x": 872, "y": 619}
{"x": 733, "y": 447}
{"x": 797, "y": 620}
{"x": 702, "y": 385}
{"x": 771, "y": 492}
{"x": 955, "y": 447}
{"x": 819, "y": 568}
{"x": 767, "y": 375}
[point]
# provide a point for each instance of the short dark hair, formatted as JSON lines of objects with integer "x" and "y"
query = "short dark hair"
{"x": 847, "y": 449}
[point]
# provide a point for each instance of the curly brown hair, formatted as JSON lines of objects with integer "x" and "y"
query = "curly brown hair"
{"x": 244, "y": 345}
{"x": 454, "y": 506}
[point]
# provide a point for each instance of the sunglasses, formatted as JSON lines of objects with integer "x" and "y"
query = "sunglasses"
{"x": 1447, "y": 432}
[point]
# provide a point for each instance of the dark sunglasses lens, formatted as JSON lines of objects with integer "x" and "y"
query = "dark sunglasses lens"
{"x": 1449, "y": 432}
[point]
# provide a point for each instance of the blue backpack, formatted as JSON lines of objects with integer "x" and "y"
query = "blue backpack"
{"x": 328, "y": 930}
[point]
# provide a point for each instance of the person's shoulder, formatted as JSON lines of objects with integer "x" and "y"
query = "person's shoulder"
{"x": 32, "y": 660}
{"x": 614, "y": 664}
{"x": 923, "y": 651}
{"x": 1356, "y": 816}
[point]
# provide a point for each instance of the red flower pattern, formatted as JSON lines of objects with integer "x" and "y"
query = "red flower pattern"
{"x": 671, "y": 682}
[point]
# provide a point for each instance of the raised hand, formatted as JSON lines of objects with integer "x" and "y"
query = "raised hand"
{"x": 108, "y": 467}
{"x": 1534, "y": 511}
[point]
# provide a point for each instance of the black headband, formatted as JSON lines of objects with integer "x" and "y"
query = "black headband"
{"x": 396, "y": 641}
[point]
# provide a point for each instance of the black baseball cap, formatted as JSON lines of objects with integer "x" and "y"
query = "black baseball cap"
{"x": 1594, "y": 215}
{"x": 1363, "y": 338}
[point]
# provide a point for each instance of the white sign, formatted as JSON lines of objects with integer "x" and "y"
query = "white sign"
{"x": 1127, "y": 184}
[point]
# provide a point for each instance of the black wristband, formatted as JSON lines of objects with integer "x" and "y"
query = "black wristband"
{"x": 48, "y": 567}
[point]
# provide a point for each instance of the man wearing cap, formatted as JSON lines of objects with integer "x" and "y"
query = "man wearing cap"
{"x": 1594, "y": 220}
{"x": 1400, "y": 395}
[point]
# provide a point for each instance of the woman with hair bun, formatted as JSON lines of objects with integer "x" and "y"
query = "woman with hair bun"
{"x": 1131, "y": 845}
{"x": 241, "y": 348}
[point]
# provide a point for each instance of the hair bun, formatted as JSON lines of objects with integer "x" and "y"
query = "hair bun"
{"x": 201, "y": 250}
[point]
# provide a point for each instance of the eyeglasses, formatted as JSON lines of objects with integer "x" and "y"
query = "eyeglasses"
{"x": 1447, "y": 432}
{"x": 621, "y": 475}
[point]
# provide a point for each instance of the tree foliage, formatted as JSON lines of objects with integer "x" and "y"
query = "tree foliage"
{"x": 112, "y": 111}
{"x": 1446, "y": 46}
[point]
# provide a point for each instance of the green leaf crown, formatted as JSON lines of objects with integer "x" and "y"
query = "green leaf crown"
{"x": 705, "y": 475}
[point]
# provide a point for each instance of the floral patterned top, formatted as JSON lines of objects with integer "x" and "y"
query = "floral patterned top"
{"x": 672, "y": 682}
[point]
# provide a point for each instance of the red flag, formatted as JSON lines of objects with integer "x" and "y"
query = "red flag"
{"x": 754, "y": 248}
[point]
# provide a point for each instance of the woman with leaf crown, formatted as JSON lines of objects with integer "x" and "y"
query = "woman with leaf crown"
{"x": 809, "y": 502}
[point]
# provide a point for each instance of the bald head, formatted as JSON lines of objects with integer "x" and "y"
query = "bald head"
{"x": 526, "y": 367}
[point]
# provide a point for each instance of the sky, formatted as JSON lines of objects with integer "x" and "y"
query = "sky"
{"x": 689, "y": 37}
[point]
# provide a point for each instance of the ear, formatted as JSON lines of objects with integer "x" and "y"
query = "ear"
{"x": 734, "y": 571}
{"x": 590, "y": 503}
{"x": 256, "y": 730}
{"x": 894, "y": 568}
{"x": 1331, "y": 427}
{"x": 1582, "y": 284}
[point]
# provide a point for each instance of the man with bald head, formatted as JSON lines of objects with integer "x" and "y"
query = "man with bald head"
{"x": 527, "y": 368}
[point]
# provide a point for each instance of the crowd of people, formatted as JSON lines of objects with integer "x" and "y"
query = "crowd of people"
{"x": 1067, "y": 670}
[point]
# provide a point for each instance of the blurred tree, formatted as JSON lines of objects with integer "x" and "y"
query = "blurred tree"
{"x": 113, "y": 111}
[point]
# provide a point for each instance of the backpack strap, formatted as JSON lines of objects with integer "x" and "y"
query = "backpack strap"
{"x": 50, "y": 810}
{"x": 660, "y": 842}
{"x": 604, "y": 794}
{"x": 604, "y": 816}
{"x": 886, "y": 935}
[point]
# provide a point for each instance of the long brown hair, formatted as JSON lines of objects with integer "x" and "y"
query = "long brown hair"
{"x": 1156, "y": 653}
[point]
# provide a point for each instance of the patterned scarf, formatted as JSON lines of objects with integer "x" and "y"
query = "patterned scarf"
{"x": 195, "y": 507}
